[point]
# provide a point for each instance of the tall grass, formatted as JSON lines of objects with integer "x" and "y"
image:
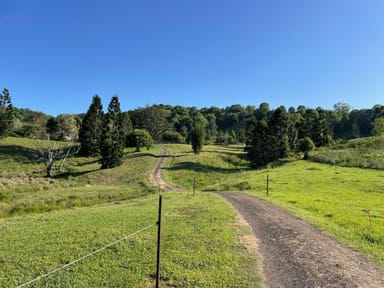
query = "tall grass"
{"x": 363, "y": 153}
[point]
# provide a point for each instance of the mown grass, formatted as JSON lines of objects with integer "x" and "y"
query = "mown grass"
{"x": 362, "y": 153}
{"x": 200, "y": 246}
{"x": 345, "y": 202}
{"x": 25, "y": 189}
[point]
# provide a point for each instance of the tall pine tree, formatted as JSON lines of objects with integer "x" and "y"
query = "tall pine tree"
{"x": 198, "y": 136}
{"x": 6, "y": 113}
{"x": 112, "y": 140}
{"x": 91, "y": 129}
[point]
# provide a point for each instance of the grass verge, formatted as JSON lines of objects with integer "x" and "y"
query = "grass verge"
{"x": 200, "y": 247}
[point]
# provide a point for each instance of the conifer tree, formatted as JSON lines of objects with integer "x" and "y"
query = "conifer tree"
{"x": 6, "y": 113}
{"x": 197, "y": 136}
{"x": 112, "y": 140}
{"x": 91, "y": 129}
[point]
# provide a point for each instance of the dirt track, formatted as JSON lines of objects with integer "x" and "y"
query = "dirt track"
{"x": 156, "y": 177}
{"x": 295, "y": 254}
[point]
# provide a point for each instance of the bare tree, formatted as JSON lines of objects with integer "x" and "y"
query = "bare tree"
{"x": 54, "y": 155}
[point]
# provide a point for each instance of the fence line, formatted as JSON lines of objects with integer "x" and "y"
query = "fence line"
{"x": 86, "y": 256}
{"x": 98, "y": 250}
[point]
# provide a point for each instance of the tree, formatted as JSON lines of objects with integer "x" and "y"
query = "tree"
{"x": 91, "y": 129}
{"x": 259, "y": 149}
{"x": 6, "y": 113}
{"x": 53, "y": 153}
{"x": 173, "y": 137}
{"x": 198, "y": 136}
{"x": 279, "y": 124}
{"x": 306, "y": 145}
{"x": 378, "y": 126}
{"x": 153, "y": 119}
{"x": 140, "y": 138}
{"x": 112, "y": 140}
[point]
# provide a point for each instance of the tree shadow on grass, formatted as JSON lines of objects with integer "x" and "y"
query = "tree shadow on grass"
{"x": 17, "y": 153}
{"x": 197, "y": 167}
{"x": 66, "y": 175}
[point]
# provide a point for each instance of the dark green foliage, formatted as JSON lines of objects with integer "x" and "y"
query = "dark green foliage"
{"x": 112, "y": 140}
{"x": 306, "y": 145}
{"x": 274, "y": 138}
{"x": 198, "y": 136}
{"x": 279, "y": 125}
{"x": 63, "y": 127}
{"x": 153, "y": 119}
{"x": 33, "y": 131}
{"x": 6, "y": 113}
{"x": 139, "y": 138}
{"x": 259, "y": 149}
{"x": 91, "y": 129}
{"x": 378, "y": 126}
{"x": 173, "y": 137}
{"x": 52, "y": 126}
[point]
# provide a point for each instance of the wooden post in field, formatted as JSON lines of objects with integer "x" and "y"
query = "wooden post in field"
{"x": 158, "y": 243}
{"x": 267, "y": 185}
{"x": 194, "y": 185}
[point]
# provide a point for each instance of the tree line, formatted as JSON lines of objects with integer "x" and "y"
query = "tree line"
{"x": 268, "y": 134}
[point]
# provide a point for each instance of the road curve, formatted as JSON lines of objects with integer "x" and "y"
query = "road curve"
{"x": 156, "y": 177}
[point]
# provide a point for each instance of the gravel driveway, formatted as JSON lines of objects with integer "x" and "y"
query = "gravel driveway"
{"x": 295, "y": 254}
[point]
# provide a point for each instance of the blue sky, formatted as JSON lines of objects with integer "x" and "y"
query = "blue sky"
{"x": 56, "y": 55}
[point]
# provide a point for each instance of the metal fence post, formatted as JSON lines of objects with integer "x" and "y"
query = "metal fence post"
{"x": 158, "y": 242}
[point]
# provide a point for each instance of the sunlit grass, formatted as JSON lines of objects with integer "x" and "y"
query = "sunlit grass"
{"x": 345, "y": 202}
{"x": 25, "y": 189}
{"x": 200, "y": 246}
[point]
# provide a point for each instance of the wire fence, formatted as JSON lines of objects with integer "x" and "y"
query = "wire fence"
{"x": 150, "y": 225}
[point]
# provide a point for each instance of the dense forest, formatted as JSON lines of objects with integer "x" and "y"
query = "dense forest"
{"x": 166, "y": 123}
{"x": 268, "y": 134}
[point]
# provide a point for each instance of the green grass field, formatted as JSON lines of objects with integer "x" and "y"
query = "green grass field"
{"x": 200, "y": 245}
{"x": 345, "y": 202}
{"x": 47, "y": 223}
{"x": 25, "y": 189}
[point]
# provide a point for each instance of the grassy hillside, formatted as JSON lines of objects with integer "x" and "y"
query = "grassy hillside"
{"x": 24, "y": 187}
{"x": 345, "y": 202}
{"x": 362, "y": 152}
{"x": 201, "y": 242}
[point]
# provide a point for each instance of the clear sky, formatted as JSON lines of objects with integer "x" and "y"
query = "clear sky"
{"x": 55, "y": 55}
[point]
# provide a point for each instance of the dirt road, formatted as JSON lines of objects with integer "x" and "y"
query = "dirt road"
{"x": 156, "y": 177}
{"x": 294, "y": 254}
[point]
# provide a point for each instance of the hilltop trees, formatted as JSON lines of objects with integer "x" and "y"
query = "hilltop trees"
{"x": 112, "y": 140}
{"x": 378, "y": 126}
{"x": 280, "y": 132}
{"x": 6, "y": 113}
{"x": 91, "y": 128}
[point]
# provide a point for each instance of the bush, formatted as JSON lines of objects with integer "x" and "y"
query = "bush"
{"x": 173, "y": 137}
